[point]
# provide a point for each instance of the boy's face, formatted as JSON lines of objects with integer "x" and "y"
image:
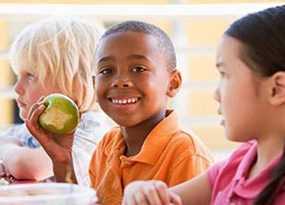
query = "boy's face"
{"x": 29, "y": 90}
{"x": 132, "y": 79}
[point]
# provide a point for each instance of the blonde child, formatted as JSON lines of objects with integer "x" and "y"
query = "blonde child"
{"x": 251, "y": 94}
{"x": 135, "y": 75}
{"x": 53, "y": 55}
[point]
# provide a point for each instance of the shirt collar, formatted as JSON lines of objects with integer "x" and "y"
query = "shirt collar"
{"x": 157, "y": 139}
{"x": 250, "y": 188}
{"x": 246, "y": 162}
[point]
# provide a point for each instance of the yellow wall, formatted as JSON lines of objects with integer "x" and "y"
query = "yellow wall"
{"x": 6, "y": 76}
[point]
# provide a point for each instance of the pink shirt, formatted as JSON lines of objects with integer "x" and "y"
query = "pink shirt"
{"x": 229, "y": 183}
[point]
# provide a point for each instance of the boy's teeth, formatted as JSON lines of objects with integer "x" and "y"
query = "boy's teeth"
{"x": 125, "y": 101}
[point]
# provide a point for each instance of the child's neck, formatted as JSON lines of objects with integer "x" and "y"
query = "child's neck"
{"x": 135, "y": 136}
{"x": 267, "y": 150}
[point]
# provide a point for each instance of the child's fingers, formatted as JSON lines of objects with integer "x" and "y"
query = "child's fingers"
{"x": 162, "y": 191}
{"x": 32, "y": 121}
{"x": 129, "y": 201}
{"x": 130, "y": 193}
{"x": 175, "y": 199}
{"x": 146, "y": 193}
{"x": 152, "y": 195}
{"x": 39, "y": 102}
{"x": 34, "y": 108}
{"x": 41, "y": 99}
{"x": 33, "y": 118}
{"x": 140, "y": 199}
{"x": 33, "y": 126}
{"x": 137, "y": 193}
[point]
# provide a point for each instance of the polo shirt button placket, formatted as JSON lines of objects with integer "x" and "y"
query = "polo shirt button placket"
{"x": 125, "y": 162}
{"x": 129, "y": 163}
{"x": 232, "y": 193}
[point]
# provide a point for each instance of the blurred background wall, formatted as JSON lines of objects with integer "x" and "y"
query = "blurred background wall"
{"x": 195, "y": 26}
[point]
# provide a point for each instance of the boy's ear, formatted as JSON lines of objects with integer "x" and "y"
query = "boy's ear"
{"x": 174, "y": 83}
{"x": 277, "y": 89}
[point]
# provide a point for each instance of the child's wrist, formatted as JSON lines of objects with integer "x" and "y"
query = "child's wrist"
{"x": 64, "y": 172}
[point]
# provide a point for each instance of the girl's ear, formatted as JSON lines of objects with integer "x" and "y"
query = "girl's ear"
{"x": 277, "y": 89}
{"x": 174, "y": 84}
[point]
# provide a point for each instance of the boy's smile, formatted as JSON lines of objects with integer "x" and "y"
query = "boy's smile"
{"x": 132, "y": 78}
{"x": 123, "y": 100}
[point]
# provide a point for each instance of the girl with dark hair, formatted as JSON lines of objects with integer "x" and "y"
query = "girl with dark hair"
{"x": 251, "y": 94}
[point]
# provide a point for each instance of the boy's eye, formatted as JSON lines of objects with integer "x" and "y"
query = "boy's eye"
{"x": 138, "y": 69}
{"x": 105, "y": 71}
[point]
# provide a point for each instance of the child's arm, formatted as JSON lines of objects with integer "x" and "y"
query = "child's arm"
{"x": 196, "y": 191}
{"x": 193, "y": 192}
{"x": 57, "y": 147}
{"x": 25, "y": 163}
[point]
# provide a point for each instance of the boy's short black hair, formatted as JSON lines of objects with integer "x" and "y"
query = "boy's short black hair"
{"x": 164, "y": 41}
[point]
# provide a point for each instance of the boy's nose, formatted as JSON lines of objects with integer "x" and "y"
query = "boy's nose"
{"x": 122, "y": 83}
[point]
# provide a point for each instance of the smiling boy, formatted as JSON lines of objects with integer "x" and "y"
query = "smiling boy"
{"x": 135, "y": 75}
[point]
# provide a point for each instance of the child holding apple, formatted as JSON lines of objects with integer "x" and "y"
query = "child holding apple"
{"x": 53, "y": 55}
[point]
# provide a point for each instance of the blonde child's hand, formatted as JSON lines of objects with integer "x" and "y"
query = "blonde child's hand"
{"x": 57, "y": 147}
{"x": 149, "y": 193}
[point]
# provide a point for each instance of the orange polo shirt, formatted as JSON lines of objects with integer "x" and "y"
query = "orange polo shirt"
{"x": 168, "y": 154}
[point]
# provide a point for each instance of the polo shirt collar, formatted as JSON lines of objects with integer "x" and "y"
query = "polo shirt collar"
{"x": 157, "y": 140}
{"x": 246, "y": 162}
{"x": 250, "y": 188}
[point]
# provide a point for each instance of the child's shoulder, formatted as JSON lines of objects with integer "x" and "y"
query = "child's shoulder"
{"x": 111, "y": 138}
{"x": 184, "y": 139}
{"x": 188, "y": 136}
{"x": 112, "y": 135}
{"x": 188, "y": 141}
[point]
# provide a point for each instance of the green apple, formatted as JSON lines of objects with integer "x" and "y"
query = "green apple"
{"x": 61, "y": 115}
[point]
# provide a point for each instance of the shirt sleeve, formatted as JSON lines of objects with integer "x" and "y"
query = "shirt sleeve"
{"x": 187, "y": 168}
